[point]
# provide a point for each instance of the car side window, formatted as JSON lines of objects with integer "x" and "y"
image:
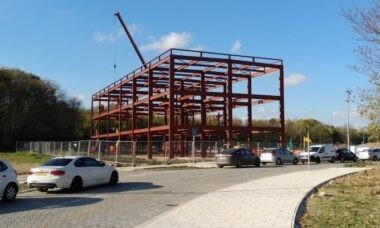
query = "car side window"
{"x": 322, "y": 149}
{"x": 80, "y": 162}
{"x": 90, "y": 162}
{"x": 3, "y": 166}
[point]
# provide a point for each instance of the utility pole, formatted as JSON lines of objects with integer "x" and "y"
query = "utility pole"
{"x": 348, "y": 117}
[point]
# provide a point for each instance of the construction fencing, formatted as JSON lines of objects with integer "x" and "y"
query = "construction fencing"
{"x": 131, "y": 153}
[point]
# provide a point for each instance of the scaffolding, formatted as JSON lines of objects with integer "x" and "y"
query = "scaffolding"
{"x": 185, "y": 93}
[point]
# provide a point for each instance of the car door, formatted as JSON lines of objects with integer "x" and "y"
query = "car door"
{"x": 98, "y": 173}
{"x": 287, "y": 156}
{"x": 83, "y": 171}
{"x": 3, "y": 176}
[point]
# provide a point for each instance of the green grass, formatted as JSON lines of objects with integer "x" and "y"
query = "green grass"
{"x": 23, "y": 161}
{"x": 24, "y": 157}
{"x": 349, "y": 201}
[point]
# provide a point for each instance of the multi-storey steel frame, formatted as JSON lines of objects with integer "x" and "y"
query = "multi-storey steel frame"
{"x": 185, "y": 88}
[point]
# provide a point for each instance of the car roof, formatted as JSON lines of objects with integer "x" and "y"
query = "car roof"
{"x": 71, "y": 157}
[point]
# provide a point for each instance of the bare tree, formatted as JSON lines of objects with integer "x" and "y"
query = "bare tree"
{"x": 366, "y": 23}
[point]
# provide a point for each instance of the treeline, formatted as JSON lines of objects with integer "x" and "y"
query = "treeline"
{"x": 34, "y": 109}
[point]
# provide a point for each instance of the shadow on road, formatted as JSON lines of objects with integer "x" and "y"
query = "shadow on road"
{"x": 118, "y": 188}
{"x": 37, "y": 203}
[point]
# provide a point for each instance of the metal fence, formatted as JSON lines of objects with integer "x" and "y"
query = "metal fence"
{"x": 130, "y": 152}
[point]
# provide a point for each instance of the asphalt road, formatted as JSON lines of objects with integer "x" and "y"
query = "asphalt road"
{"x": 140, "y": 195}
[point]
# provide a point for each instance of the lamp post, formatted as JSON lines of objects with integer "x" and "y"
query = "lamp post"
{"x": 348, "y": 118}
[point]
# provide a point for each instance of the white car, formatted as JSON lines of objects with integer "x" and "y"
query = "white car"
{"x": 278, "y": 156}
{"x": 319, "y": 153}
{"x": 369, "y": 154}
{"x": 8, "y": 181}
{"x": 74, "y": 173}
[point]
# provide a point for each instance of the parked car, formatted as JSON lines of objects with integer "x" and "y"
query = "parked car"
{"x": 8, "y": 181}
{"x": 278, "y": 156}
{"x": 73, "y": 173}
{"x": 345, "y": 155}
{"x": 236, "y": 157}
{"x": 369, "y": 154}
{"x": 318, "y": 153}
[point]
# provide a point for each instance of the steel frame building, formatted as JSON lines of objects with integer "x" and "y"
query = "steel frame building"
{"x": 185, "y": 89}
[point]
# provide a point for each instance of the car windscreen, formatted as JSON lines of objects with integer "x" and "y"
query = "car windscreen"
{"x": 58, "y": 162}
{"x": 227, "y": 151}
{"x": 314, "y": 149}
{"x": 268, "y": 151}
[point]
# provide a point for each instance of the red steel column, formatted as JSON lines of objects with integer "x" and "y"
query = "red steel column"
{"x": 134, "y": 116}
{"x": 282, "y": 107}
{"x": 203, "y": 115}
{"x": 150, "y": 111}
{"x": 229, "y": 102}
{"x": 171, "y": 107}
{"x": 249, "y": 111}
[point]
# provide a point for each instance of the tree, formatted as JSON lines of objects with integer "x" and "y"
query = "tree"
{"x": 366, "y": 23}
{"x": 34, "y": 109}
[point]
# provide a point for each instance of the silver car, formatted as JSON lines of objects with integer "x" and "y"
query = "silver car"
{"x": 278, "y": 156}
{"x": 8, "y": 181}
{"x": 369, "y": 154}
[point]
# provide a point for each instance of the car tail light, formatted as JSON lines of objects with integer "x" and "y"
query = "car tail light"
{"x": 57, "y": 172}
{"x": 30, "y": 173}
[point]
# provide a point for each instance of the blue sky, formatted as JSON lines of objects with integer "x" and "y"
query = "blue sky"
{"x": 76, "y": 43}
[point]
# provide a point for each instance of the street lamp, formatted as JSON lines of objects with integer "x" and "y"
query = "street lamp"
{"x": 348, "y": 118}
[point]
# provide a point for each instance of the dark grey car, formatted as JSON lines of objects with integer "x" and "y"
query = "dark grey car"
{"x": 236, "y": 157}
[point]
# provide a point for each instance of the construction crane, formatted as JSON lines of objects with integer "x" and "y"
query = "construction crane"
{"x": 117, "y": 14}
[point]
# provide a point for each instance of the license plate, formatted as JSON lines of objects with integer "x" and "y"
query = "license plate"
{"x": 41, "y": 174}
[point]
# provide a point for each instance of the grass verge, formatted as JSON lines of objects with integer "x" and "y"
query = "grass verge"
{"x": 23, "y": 161}
{"x": 349, "y": 201}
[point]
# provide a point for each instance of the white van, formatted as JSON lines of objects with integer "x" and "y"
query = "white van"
{"x": 318, "y": 153}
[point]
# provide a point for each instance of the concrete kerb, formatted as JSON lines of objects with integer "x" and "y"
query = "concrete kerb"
{"x": 301, "y": 208}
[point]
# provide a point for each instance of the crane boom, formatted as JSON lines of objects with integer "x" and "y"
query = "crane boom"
{"x": 117, "y": 14}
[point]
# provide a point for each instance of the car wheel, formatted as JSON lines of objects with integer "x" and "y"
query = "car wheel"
{"x": 374, "y": 158}
{"x": 114, "y": 178}
{"x": 42, "y": 189}
{"x": 264, "y": 163}
{"x": 295, "y": 161}
{"x": 332, "y": 160}
{"x": 278, "y": 161}
{"x": 342, "y": 159}
{"x": 76, "y": 184}
{"x": 220, "y": 166}
{"x": 10, "y": 192}
{"x": 238, "y": 164}
{"x": 303, "y": 162}
{"x": 355, "y": 159}
{"x": 318, "y": 160}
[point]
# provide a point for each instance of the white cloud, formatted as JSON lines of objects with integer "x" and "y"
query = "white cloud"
{"x": 354, "y": 113}
{"x": 115, "y": 35}
{"x": 294, "y": 79}
{"x": 236, "y": 46}
{"x": 171, "y": 40}
{"x": 79, "y": 97}
{"x": 198, "y": 48}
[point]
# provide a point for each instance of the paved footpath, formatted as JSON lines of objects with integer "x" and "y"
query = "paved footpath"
{"x": 267, "y": 202}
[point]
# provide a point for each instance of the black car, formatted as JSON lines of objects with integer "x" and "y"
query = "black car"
{"x": 236, "y": 157}
{"x": 345, "y": 155}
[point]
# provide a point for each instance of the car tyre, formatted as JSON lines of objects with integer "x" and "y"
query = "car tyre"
{"x": 295, "y": 161}
{"x": 318, "y": 160}
{"x": 42, "y": 189}
{"x": 264, "y": 163}
{"x": 342, "y": 159}
{"x": 238, "y": 164}
{"x": 374, "y": 158}
{"x": 10, "y": 192}
{"x": 355, "y": 159}
{"x": 332, "y": 160}
{"x": 76, "y": 184}
{"x": 114, "y": 178}
{"x": 220, "y": 166}
{"x": 278, "y": 161}
{"x": 303, "y": 162}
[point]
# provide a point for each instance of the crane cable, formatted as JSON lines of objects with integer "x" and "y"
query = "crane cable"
{"x": 114, "y": 37}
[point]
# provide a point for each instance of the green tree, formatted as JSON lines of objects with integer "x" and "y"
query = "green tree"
{"x": 366, "y": 23}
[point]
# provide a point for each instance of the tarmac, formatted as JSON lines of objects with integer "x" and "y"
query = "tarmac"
{"x": 267, "y": 202}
